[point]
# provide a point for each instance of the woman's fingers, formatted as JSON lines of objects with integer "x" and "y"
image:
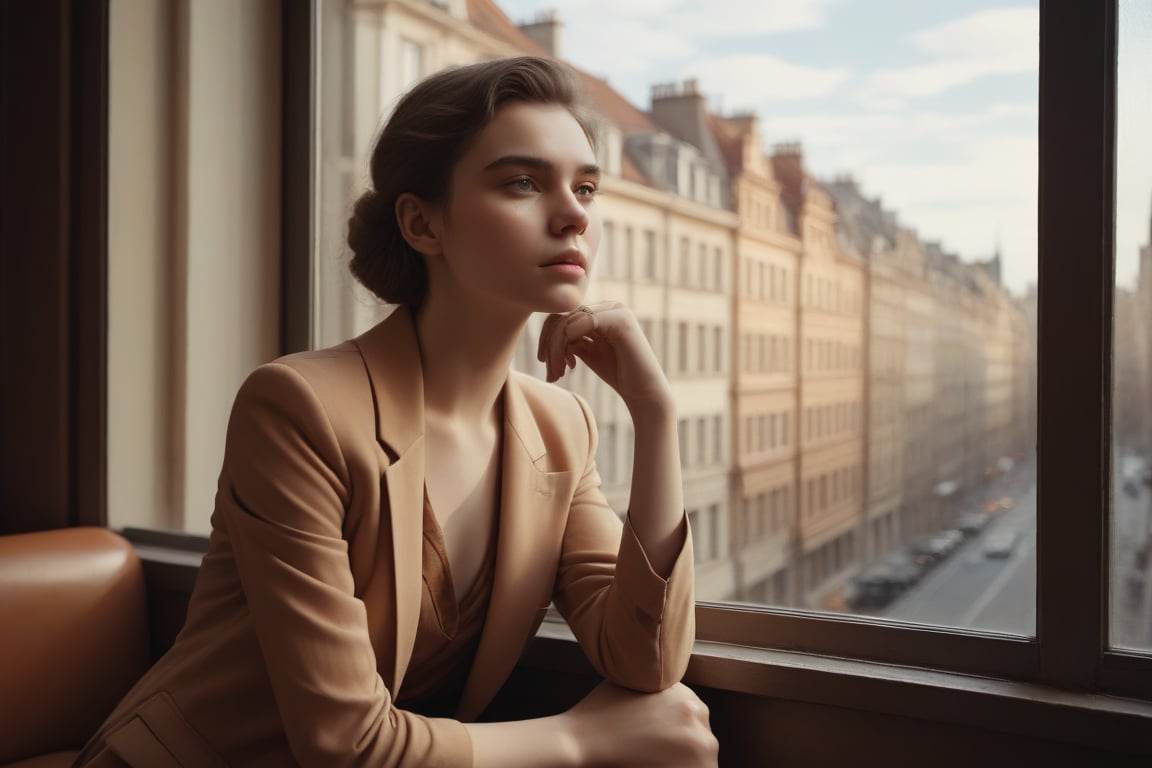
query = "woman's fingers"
{"x": 562, "y": 335}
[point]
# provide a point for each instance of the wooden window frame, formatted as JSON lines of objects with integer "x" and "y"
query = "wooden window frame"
{"x": 1076, "y": 279}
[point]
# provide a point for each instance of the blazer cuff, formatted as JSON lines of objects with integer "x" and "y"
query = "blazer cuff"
{"x": 645, "y": 588}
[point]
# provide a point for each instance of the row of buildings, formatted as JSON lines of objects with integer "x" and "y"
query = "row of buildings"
{"x": 1131, "y": 545}
{"x": 843, "y": 386}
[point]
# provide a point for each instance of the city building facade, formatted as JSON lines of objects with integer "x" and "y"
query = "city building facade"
{"x": 842, "y": 386}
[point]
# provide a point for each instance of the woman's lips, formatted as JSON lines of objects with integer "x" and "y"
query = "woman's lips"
{"x": 566, "y": 268}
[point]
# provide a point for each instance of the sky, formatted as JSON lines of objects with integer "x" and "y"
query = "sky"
{"x": 930, "y": 106}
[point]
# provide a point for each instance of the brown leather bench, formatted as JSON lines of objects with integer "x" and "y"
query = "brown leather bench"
{"x": 73, "y": 639}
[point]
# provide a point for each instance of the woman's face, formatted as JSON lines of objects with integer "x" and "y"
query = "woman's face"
{"x": 521, "y": 227}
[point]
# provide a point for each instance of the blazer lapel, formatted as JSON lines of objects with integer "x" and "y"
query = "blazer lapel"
{"x": 533, "y": 504}
{"x": 392, "y": 357}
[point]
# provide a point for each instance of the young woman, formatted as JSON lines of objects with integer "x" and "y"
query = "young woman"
{"x": 396, "y": 513}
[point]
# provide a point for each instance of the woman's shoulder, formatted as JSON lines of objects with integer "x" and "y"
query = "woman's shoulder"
{"x": 330, "y": 383}
{"x": 337, "y": 366}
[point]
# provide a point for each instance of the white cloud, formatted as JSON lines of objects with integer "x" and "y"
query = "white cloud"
{"x": 961, "y": 179}
{"x": 984, "y": 197}
{"x": 747, "y": 18}
{"x": 625, "y": 46}
{"x": 755, "y": 79}
{"x": 996, "y": 35}
{"x": 840, "y": 142}
{"x": 999, "y": 41}
{"x": 626, "y": 42}
{"x": 718, "y": 18}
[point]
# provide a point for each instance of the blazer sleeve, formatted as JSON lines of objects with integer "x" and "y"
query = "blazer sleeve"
{"x": 282, "y": 496}
{"x": 635, "y": 627}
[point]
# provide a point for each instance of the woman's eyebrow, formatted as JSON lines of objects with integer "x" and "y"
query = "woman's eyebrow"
{"x": 588, "y": 169}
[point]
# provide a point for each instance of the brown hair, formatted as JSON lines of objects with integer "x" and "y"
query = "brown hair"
{"x": 431, "y": 127}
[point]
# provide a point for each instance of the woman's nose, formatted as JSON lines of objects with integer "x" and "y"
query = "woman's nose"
{"x": 570, "y": 216}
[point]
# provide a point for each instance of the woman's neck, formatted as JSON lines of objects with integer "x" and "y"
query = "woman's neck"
{"x": 465, "y": 353}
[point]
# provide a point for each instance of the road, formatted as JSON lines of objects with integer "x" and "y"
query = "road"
{"x": 1132, "y": 521}
{"x": 974, "y": 591}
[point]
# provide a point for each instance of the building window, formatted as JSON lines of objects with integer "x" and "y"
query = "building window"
{"x": 411, "y": 62}
{"x": 650, "y": 271}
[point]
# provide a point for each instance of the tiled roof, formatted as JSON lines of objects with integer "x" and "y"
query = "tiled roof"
{"x": 613, "y": 107}
{"x": 486, "y": 16}
{"x": 789, "y": 171}
{"x": 729, "y": 133}
{"x": 604, "y": 100}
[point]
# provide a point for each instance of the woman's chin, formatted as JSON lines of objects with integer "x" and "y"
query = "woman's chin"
{"x": 562, "y": 301}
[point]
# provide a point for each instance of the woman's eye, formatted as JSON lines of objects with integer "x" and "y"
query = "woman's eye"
{"x": 586, "y": 190}
{"x": 522, "y": 185}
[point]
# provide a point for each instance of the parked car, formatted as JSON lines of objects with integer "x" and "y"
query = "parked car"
{"x": 1001, "y": 543}
{"x": 972, "y": 522}
{"x": 931, "y": 549}
{"x": 874, "y": 588}
{"x": 1132, "y": 488}
{"x": 904, "y": 569}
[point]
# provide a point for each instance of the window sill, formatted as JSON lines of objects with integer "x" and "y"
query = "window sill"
{"x": 1025, "y": 709}
{"x": 1030, "y": 710}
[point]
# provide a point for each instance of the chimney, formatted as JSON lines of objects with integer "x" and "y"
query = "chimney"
{"x": 680, "y": 109}
{"x": 546, "y": 32}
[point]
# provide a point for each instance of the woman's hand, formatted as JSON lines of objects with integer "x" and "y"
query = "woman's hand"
{"x": 609, "y": 340}
{"x": 615, "y": 726}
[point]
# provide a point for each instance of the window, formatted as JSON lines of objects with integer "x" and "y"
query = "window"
{"x": 607, "y": 253}
{"x": 685, "y": 261}
{"x": 682, "y": 341}
{"x": 626, "y": 263}
{"x": 1058, "y": 644}
{"x": 1130, "y": 609}
{"x": 701, "y": 347}
{"x": 701, "y": 456}
{"x": 411, "y": 62}
{"x": 717, "y": 349}
{"x": 650, "y": 271}
{"x": 717, "y": 440}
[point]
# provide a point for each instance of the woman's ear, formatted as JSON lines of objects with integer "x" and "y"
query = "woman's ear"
{"x": 417, "y": 220}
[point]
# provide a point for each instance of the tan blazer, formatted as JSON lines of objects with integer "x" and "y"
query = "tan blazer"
{"x": 304, "y": 615}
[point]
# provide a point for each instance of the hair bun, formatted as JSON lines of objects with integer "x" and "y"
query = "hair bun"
{"x": 367, "y": 224}
{"x": 381, "y": 259}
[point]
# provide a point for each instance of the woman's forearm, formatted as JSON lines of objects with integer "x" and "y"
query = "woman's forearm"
{"x": 544, "y": 742}
{"x": 656, "y": 506}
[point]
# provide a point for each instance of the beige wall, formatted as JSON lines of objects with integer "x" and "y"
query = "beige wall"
{"x": 194, "y": 159}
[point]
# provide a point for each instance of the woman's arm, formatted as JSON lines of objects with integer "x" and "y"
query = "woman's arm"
{"x": 283, "y": 491}
{"x": 610, "y": 726}
{"x": 656, "y": 503}
{"x": 281, "y": 506}
{"x": 609, "y": 340}
{"x": 628, "y": 595}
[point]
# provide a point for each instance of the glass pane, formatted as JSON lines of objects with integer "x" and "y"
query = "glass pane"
{"x": 824, "y": 216}
{"x": 1131, "y": 624}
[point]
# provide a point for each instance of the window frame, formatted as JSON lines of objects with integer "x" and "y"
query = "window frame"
{"x": 1076, "y": 185}
{"x": 1076, "y": 285}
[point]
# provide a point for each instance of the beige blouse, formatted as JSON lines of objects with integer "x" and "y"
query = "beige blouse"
{"x": 448, "y": 632}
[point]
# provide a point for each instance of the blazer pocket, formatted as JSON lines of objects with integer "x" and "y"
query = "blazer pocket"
{"x": 158, "y": 736}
